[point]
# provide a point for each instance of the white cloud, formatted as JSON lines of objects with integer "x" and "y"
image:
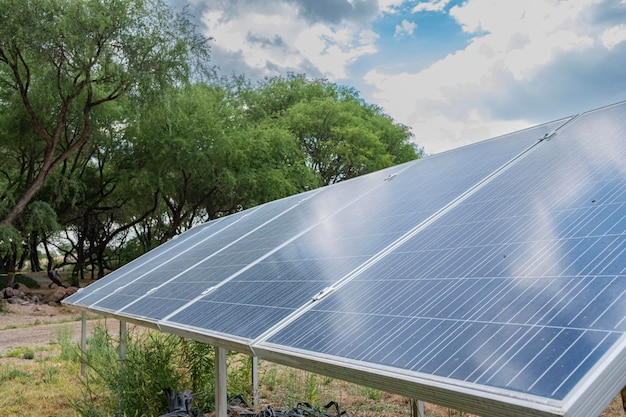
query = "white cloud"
{"x": 391, "y": 6}
{"x": 521, "y": 57}
{"x": 404, "y": 29}
{"x": 546, "y": 27}
{"x": 615, "y": 35}
{"x": 280, "y": 36}
{"x": 445, "y": 104}
{"x": 431, "y": 6}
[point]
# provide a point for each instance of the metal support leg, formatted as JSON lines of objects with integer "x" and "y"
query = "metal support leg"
{"x": 255, "y": 381}
{"x": 83, "y": 344}
{"x": 221, "y": 396}
{"x": 417, "y": 408}
{"x": 122, "y": 340}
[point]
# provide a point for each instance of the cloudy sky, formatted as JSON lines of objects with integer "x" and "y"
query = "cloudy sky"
{"x": 455, "y": 71}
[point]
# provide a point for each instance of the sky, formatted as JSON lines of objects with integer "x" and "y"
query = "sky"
{"x": 454, "y": 71}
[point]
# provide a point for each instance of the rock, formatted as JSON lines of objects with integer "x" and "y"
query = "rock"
{"x": 58, "y": 294}
{"x": 8, "y": 292}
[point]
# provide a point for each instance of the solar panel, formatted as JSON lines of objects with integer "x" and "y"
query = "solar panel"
{"x": 256, "y": 298}
{"x": 489, "y": 278}
{"x": 518, "y": 291}
{"x": 97, "y": 290}
{"x": 157, "y": 285}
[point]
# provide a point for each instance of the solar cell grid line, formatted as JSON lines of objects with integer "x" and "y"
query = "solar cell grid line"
{"x": 540, "y": 315}
{"x": 142, "y": 280}
{"x": 134, "y": 284}
{"x": 561, "y": 256}
{"x": 345, "y": 240}
{"x": 256, "y": 247}
{"x": 128, "y": 271}
{"x": 280, "y": 232}
{"x": 161, "y": 276}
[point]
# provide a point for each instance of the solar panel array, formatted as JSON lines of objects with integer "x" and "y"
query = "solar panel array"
{"x": 496, "y": 271}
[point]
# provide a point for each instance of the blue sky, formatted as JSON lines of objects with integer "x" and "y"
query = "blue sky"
{"x": 454, "y": 71}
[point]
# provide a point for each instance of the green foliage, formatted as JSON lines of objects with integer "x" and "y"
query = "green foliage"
{"x": 240, "y": 375}
{"x": 198, "y": 360}
{"x": 108, "y": 145}
{"x": 340, "y": 136}
{"x": 10, "y": 237}
{"x": 311, "y": 387}
{"x": 154, "y": 361}
{"x": 28, "y": 354}
{"x": 372, "y": 394}
{"x": 149, "y": 368}
{"x": 61, "y": 60}
{"x": 39, "y": 216}
{"x": 12, "y": 374}
{"x": 68, "y": 349}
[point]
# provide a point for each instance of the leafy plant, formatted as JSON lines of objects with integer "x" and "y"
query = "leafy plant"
{"x": 312, "y": 391}
{"x": 28, "y": 354}
{"x": 12, "y": 374}
{"x": 372, "y": 394}
{"x": 68, "y": 349}
{"x": 135, "y": 386}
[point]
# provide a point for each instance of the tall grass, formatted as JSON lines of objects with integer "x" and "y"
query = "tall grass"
{"x": 135, "y": 386}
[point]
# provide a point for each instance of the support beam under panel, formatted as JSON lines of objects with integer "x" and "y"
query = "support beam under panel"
{"x": 122, "y": 340}
{"x": 221, "y": 396}
{"x": 255, "y": 381}
{"x": 83, "y": 343}
{"x": 417, "y": 408}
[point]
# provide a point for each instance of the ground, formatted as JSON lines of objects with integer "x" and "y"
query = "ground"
{"x": 38, "y": 324}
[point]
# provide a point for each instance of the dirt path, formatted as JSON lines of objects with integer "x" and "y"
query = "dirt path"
{"x": 39, "y": 324}
{"x": 44, "y": 334}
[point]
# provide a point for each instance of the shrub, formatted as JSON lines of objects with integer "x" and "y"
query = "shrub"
{"x": 28, "y": 354}
{"x": 154, "y": 361}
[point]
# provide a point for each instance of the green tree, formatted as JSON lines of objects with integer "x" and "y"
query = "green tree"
{"x": 197, "y": 148}
{"x": 65, "y": 58}
{"x": 341, "y": 135}
{"x": 61, "y": 60}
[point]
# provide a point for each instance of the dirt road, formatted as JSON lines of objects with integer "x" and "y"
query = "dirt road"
{"x": 44, "y": 334}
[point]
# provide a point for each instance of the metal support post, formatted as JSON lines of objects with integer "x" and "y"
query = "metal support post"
{"x": 255, "y": 381}
{"x": 83, "y": 344}
{"x": 417, "y": 408}
{"x": 221, "y": 396}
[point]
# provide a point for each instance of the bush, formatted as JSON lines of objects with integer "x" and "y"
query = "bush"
{"x": 28, "y": 354}
{"x": 154, "y": 361}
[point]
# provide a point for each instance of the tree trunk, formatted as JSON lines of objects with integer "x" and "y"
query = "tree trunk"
{"x": 10, "y": 268}
{"x": 35, "y": 266}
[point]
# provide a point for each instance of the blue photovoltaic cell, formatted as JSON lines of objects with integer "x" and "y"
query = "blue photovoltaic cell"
{"x": 521, "y": 286}
{"x": 156, "y": 275}
{"x": 129, "y": 272}
{"x": 275, "y": 286}
{"x": 163, "y": 289}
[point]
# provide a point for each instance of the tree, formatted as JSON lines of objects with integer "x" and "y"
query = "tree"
{"x": 197, "y": 148}
{"x": 341, "y": 136}
{"x": 62, "y": 59}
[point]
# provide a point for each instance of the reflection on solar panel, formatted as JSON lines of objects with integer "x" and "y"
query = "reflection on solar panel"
{"x": 491, "y": 278}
